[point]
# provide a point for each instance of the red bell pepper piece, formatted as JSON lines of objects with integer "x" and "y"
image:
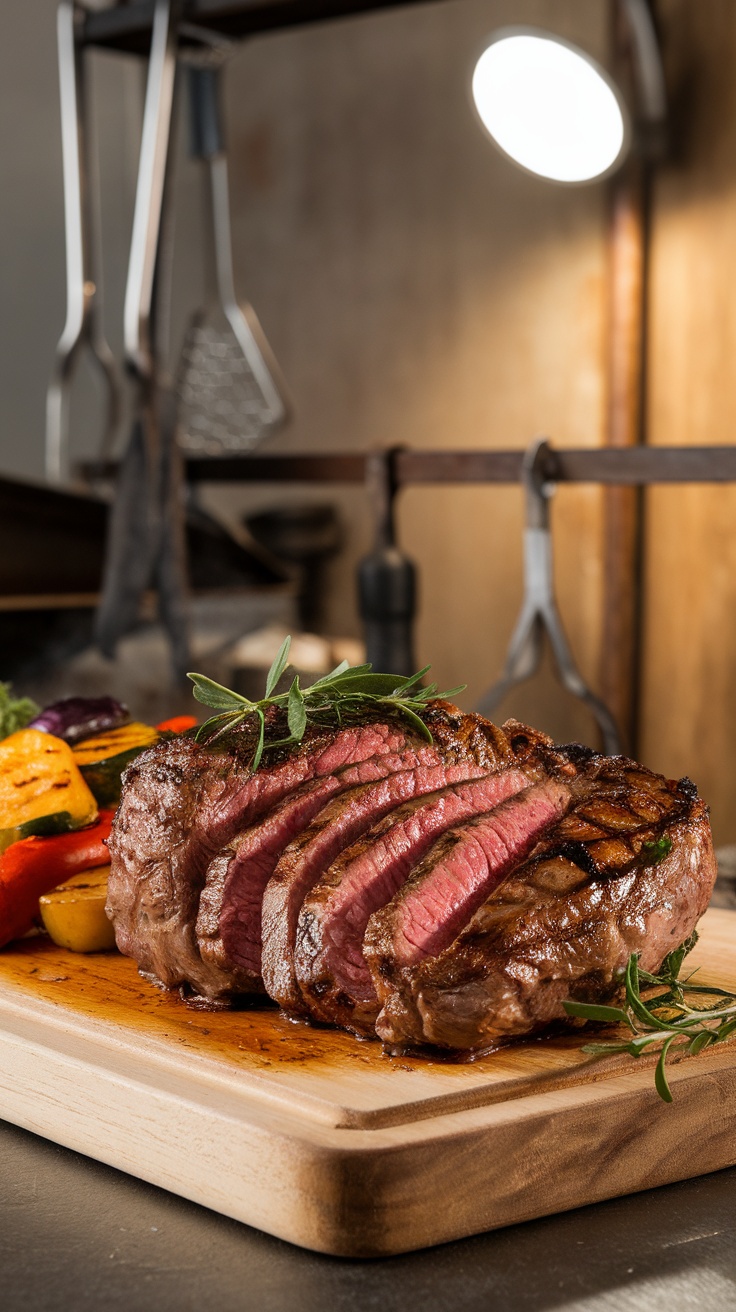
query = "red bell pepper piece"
{"x": 177, "y": 724}
{"x": 34, "y": 866}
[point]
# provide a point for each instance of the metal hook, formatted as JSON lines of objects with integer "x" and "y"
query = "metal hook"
{"x": 539, "y": 611}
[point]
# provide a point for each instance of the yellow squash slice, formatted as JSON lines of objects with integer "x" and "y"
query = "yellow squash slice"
{"x": 41, "y": 788}
{"x": 73, "y": 914}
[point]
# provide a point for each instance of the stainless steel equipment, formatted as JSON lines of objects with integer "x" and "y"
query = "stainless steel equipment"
{"x": 83, "y": 326}
{"x": 145, "y": 542}
{"x": 539, "y": 612}
{"x": 230, "y": 390}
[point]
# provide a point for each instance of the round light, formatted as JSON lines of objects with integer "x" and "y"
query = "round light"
{"x": 549, "y": 106}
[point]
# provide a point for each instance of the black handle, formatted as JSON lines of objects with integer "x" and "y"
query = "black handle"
{"x": 206, "y": 137}
{"x": 387, "y": 590}
{"x": 387, "y": 580}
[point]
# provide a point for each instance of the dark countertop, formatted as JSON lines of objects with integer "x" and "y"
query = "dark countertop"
{"x": 76, "y": 1236}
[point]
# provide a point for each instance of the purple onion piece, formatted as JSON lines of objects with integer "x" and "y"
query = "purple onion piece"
{"x": 76, "y": 718}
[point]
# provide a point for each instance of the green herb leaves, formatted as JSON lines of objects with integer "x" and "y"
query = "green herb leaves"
{"x": 666, "y": 1017}
{"x": 15, "y": 712}
{"x": 344, "y": 695}
{"x": 655, "y": 852}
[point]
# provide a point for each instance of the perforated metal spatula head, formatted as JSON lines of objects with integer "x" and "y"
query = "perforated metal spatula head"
{"x": 231, "y": 393}
{"x": 228, "y": 398}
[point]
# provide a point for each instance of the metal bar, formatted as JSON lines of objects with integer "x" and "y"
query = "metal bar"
{"x": 635, "y": 467}
{"x": 127, "y": 27}
{"x": 639, "y": 466}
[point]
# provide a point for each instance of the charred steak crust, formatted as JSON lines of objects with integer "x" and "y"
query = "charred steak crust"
{"x": 552, "y": 930}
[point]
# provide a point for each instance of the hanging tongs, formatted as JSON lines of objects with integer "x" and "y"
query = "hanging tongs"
{"x": 83, "y": 326}
{"x": 145, "y": 546}
{"x": 539, "y": 612}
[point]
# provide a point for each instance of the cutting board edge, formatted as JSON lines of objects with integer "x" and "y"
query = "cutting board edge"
{"x": 372, "y": 1193}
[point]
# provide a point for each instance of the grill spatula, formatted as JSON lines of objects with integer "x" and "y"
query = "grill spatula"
{"x": 230, "y": 390}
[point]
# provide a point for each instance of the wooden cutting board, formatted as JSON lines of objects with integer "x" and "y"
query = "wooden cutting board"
{"x": 316, "y": 1137}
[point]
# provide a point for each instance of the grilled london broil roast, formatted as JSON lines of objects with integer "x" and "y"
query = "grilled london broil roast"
{"x": 451, "y": 893}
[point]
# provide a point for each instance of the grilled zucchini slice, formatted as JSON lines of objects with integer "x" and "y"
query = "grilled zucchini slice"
{"x": 103, "y": 759}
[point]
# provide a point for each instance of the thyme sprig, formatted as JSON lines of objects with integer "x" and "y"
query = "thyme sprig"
{"x": 345, "y": 694}
{"x": 666, "y": 1017}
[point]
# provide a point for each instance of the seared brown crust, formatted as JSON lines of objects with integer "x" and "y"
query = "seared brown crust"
{"x": 601, "y": 886}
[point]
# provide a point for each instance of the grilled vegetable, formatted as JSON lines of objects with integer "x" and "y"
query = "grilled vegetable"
{"x": 103, "y": 758}
{"x": 33, "y": 867}
{"x": 73, "y": 915}
{"x": 60, "y": 822}
{"x": 76, "y": 718}
{"x": 41, "y": 788}
{"x": 178, "y": 724}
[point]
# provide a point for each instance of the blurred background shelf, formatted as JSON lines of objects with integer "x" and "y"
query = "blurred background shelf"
{"x": 127, "y": 27}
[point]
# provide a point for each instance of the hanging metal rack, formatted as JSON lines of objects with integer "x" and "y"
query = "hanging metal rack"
{"x": 611, "y": 466}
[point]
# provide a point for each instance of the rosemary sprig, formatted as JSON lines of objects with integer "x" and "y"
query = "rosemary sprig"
{"x": 667, "y": 1017}
{"x": 345, "y": 694}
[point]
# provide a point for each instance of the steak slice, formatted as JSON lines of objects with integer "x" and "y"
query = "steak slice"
{"x": 629, "y": 868}
{"x": 306, "y": 859}
{"x": 181, "y": 803}
{"x": 229, "y": 919}
{"x": 334, "y": 979}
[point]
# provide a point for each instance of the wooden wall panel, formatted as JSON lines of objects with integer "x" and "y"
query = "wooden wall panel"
{"x": 689, "y": 703}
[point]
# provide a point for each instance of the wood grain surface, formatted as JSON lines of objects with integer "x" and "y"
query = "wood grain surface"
{"x": 323, "y": 1140}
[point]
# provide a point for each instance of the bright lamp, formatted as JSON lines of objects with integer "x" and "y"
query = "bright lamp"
{"x": 550, "y": 107}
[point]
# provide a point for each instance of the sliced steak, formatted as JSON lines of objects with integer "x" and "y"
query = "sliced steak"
{"x": 334, "y": 979}
{"x": 307, "y": 858}
{"x": 629, "y": 868}
{"x": 229, "y": 919}
{"x": 183, "y": 802}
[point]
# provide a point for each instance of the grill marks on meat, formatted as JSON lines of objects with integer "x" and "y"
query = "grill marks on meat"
{"x": 329, "y": 963}
{"x": 450, "y": 895}
{"x": 550, "y": 930}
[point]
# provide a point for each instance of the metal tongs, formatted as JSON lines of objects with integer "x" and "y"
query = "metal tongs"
{"x": 145, "y": 546}
{"x": 83, "y": 326}
{"x": 539, "y": 612}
